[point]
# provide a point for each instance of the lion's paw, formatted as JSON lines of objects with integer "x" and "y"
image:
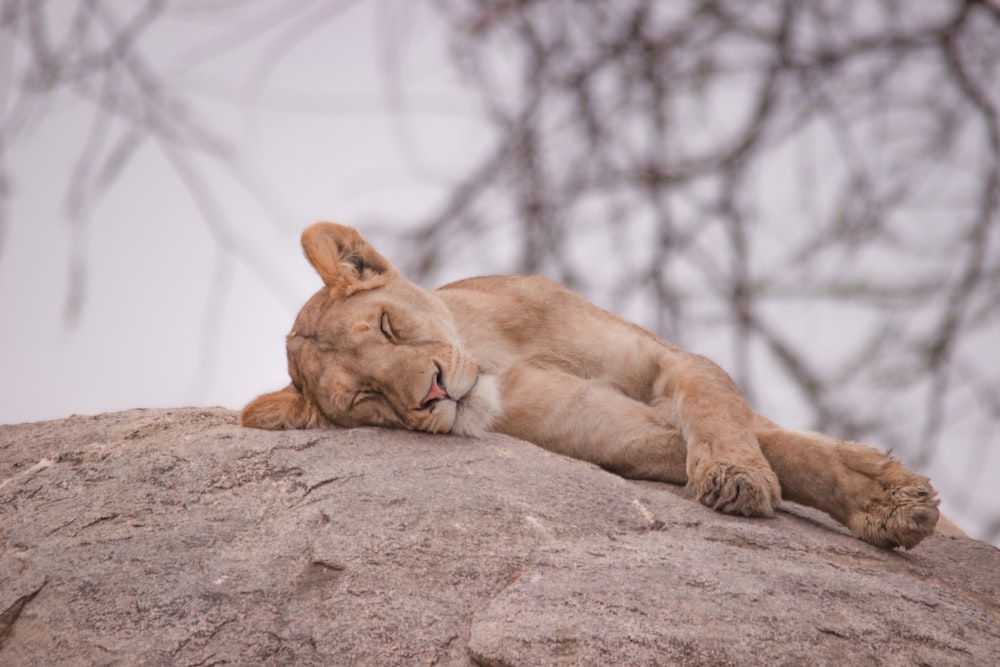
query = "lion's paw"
{"x": 901, "y": 513}
{"x": 738, "y": 489}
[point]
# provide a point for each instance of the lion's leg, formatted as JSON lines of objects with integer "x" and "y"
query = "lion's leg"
{"x": 592, "y": 421}
{"x": 725, "y": 466}
{"x": 880, "y": 500}
{"x": 875, "y": 496}
{"x": 596, "y": 422}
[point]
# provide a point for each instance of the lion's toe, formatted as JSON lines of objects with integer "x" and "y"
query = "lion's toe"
{"x": 738, "y": 489}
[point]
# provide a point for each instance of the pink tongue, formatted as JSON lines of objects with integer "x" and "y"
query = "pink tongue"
{"x": 435, "y": 392}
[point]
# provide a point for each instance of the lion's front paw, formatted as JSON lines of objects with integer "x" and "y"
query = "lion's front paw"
{"x": 901, "y": 512}
{"x": 738, "y": 489}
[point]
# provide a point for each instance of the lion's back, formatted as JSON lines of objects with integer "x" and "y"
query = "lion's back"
{"x": 532, "y": 287}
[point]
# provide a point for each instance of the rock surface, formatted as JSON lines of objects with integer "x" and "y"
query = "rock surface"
{"x": 175, "y": 537}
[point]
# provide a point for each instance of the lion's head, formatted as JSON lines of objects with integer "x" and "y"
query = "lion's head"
{"x": 372, "y": 348}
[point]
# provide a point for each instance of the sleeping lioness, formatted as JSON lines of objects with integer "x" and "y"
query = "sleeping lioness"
{"x": 526, "y": 357}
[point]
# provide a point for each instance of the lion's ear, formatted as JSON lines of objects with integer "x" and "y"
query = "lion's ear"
{"x": 344, "y": 260}
{"x": 281, "y": 410}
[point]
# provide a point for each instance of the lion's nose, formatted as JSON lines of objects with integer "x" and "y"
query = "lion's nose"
{"x": 436, "y": 392}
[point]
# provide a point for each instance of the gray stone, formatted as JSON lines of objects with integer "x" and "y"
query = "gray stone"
{"x": 175, "y": 537}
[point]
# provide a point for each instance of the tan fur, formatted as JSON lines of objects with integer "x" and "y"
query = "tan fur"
{"x": 526, "y": 357}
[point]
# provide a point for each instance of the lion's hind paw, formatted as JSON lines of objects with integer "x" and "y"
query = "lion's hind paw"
{"x": 901, "y": 513}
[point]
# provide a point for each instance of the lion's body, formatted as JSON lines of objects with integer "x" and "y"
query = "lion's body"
{"x": 526, "y": 357}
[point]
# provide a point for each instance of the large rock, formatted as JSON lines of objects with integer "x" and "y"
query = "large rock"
{"x": 175, "y": 537}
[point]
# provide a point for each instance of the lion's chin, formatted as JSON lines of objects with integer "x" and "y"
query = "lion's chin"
{"x": 476, "y": 411}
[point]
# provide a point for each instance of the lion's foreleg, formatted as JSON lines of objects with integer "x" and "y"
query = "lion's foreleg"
{"x": 726, "y": 469}
{"x": 592, "y": 421}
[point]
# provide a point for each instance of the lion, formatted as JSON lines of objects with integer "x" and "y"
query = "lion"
{"x": 526, "y": 357}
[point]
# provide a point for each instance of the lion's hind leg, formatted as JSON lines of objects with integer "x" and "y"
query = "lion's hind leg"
{"x": 879, "y": 499}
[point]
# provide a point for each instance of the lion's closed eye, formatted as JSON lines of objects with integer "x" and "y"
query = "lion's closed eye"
{"x": 385, "y": 326}
{"x": 362, "y": 396}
